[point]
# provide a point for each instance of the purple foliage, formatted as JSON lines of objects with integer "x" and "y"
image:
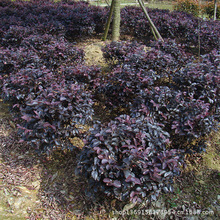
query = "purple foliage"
{"x": 183, "y": 27}
{"x": 184, "y": 96}
{"x": 73, "y": 20}
{"x": 127, "y": 158}
{"x": 136, "y": 68}
{"x": 184, "y": 117}
{"x": 82, "y": 74}
{"x": 54, "y": 114}
{"x": 19, "y": 85}
{"x": 202, "y": 80}
{"x": 170, "y": 98}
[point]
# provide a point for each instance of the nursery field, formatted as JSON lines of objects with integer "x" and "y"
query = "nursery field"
{"x": 107, "y": 130}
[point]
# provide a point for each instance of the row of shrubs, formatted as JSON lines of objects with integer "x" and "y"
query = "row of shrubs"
{"x": 162, "y": 103}
{"x": 166, "y": 81}
{"x": 162, "y": 98}
{"x": 196, "y": 8}
{"x": 44, "y": 80}
{"x": 186, "y": 29}
{"x": 77, "y": 20}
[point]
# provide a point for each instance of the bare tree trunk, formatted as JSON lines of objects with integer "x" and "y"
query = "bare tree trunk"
{"x": 154, "y": 29}
{"x": 116, "y": 21}
{"x": 108, "y": 21}
{"x": 215, "y": 9}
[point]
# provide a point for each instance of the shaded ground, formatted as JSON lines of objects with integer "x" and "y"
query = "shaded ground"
{"x": 41, "y": 187}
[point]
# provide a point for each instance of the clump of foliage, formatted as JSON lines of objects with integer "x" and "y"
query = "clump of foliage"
{"x": 20, "y": 84}
{"x": 184, "y": 117}
{"x": 208, "y": 9}
{"x": 38, "y": 51}
{"x": 55, "y": 114}
{"x": 195, "y": 8}
{"x": 136, "y": 68}
{"x": 85, "y": 75}
{"x": 52, "y": 51}
{"x": 50, "y": 109}
{"x": 117, "y": 52}
{"x": 14, "y": 36}
{"x": 201, "y": 80}
{"x": 189, "y": 6}
{"x": 127, "y": 158}
{"x": 51, "y": 104}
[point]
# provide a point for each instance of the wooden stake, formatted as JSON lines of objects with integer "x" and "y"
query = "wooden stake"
{"x": 154, "y": 29}
{"x": 108, "y": 21}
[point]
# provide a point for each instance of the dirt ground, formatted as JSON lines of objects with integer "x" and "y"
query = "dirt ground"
{"x": 38, "y": 187}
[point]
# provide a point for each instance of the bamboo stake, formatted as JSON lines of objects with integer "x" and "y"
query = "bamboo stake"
{"x": 215, "y": 9}
{"x": 108, "y": 21}
{"x": 157, "y": 34}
